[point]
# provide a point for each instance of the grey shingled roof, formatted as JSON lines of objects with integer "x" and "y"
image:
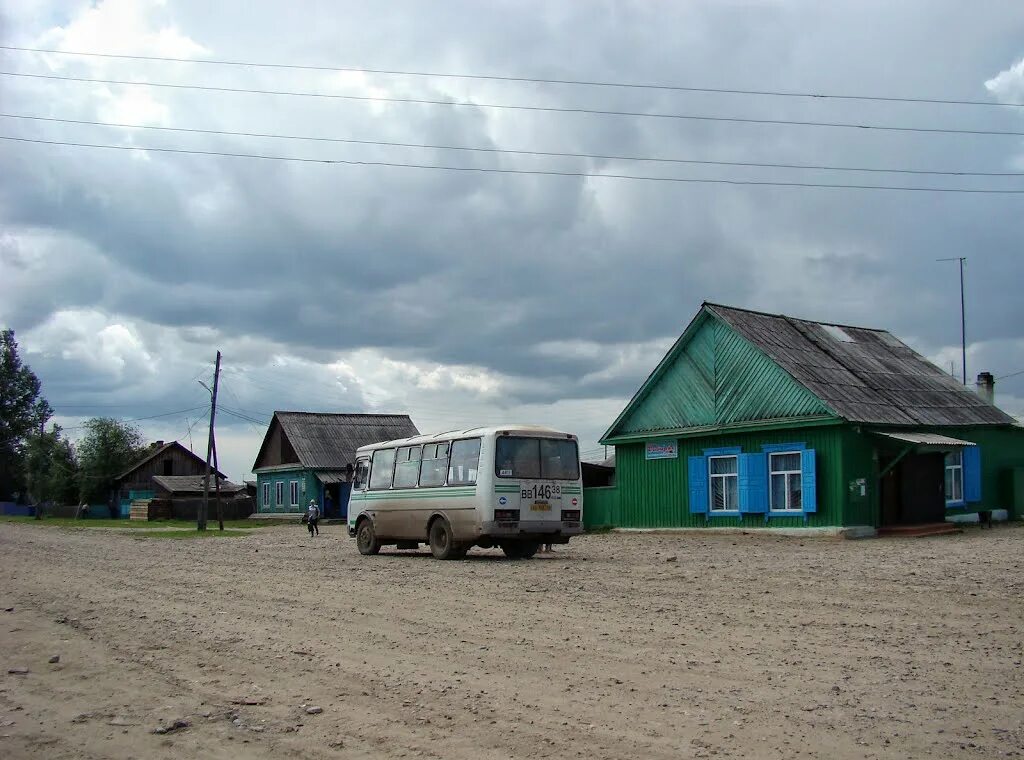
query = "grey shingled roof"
{"x": 192, "y": 483}
{"x": 875, "y": 378}
{"x": 331, "y": 440}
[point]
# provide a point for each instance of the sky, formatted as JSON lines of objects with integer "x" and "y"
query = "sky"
{"x": 471, "y": 297}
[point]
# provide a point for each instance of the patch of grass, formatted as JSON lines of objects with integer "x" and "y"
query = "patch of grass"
{"x": 136, "y": 525}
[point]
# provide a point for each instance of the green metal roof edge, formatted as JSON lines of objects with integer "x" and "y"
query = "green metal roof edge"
{"x": 738, "y": 427}
{"x": 659, "y": 370}
{"x": 707, "y": 311}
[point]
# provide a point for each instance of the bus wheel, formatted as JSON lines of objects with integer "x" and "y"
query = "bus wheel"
{"x": 366, "y": 538}
{"x": 442, "y": 541}
{"x": 519, "y": 549}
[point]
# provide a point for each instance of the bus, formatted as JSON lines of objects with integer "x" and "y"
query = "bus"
{"x": 514, "y": 487}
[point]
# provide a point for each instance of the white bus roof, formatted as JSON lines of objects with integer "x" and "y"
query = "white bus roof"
{"x": 477, "y": 432}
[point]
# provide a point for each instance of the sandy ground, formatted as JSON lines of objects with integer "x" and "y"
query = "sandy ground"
{"x": 743, "y": 646}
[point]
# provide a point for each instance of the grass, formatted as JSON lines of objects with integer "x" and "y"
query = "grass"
{"x": 187, "y": 526}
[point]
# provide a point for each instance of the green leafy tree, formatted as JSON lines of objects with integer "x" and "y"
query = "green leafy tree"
{"x": 23, "y": 411}
{"x": 51, "y": 468}
{"x": 109, "y": 448}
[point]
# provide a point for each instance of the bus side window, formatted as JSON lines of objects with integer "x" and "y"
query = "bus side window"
{"x": 362, "y": 470}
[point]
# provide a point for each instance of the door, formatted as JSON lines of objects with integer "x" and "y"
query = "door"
{"x": 923, "y": 489}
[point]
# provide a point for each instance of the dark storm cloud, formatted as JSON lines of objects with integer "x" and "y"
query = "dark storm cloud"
{"x": 478, "y": 269}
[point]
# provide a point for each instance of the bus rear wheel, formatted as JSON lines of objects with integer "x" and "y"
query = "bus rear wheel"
{"x": 442, "y": 541}
{"x": 519, "y": 549}
{"x": 366, "y": 538}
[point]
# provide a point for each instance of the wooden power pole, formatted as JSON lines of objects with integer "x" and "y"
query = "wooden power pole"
{"x": 210, "y": 446}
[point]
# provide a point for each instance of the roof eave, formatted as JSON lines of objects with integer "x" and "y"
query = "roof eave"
{"x": 736, "y": 427}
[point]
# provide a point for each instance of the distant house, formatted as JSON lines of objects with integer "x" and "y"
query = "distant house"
{"x": 160, "y": 460}
{"x": 309, "y": 455}
{"x": 763, "y": 420}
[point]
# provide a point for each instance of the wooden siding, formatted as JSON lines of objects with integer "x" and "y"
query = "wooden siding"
{"x": 276, "y": 449}
{"x": 655, "y": 493}
{"x": 182, "y": 462}
{"x": 717, "y": 378}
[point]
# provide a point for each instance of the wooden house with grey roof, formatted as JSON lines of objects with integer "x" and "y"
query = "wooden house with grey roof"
{"x": 309, "y": 455}
{"x": 764, "y": 420}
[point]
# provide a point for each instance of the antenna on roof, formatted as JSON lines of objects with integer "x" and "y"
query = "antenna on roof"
{"x": 963, "y": 322}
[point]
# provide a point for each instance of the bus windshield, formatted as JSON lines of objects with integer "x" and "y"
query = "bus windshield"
{"x": 536, "y": 458}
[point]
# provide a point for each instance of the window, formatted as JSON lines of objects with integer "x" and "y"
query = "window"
{"x": 465, "y": 461}
{"x": 534, "y": 458}
{"x": 724, "y": 476}
{"x": 954, "y": 477}
{"x": 266, "y": 496}
{"x": 168, "y": 467}
{"x": 280, "y": 493}
{"x": 361, "y": 475}
{"x": 434, "y": 465}
{"x": 786, "y": 477}
{"x": 293, "y": 492}
{"x": 407, "y": 467}
{"x": 383, "y": 469}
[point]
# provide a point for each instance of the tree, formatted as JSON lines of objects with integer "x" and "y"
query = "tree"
{"x": 23, "y": 411}
{"x": 51, "y": 468}
{"x": 109, "y": 448}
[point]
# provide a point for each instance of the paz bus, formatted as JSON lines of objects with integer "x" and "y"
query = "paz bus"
{"x": 514, "y": 487}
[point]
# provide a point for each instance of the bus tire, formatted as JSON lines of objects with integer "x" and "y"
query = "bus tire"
{"x": 519, "y": 549}
{"x": 442, "y": 541}
{"x": 366, "y": 537}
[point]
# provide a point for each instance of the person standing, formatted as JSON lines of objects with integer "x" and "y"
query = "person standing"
{"x": 328, "y": 505}
{"x": 313, "y": 518}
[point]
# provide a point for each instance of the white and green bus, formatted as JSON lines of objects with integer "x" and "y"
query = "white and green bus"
{"x": 514, "y": 486}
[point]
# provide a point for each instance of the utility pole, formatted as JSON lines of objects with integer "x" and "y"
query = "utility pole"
{"x": 201, "y": 520}
{"x": 216, "y": 480}
{"x": 963, "y": 320}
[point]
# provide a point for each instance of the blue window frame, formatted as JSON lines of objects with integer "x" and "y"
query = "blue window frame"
{"x": 779, "y": 481}
{"x": 963, "y": 477}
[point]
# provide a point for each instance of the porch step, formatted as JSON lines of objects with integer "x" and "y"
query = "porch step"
{"x": 916, "y": 531}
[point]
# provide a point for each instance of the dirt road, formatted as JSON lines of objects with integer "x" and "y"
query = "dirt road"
{"x": 746, "y": 646}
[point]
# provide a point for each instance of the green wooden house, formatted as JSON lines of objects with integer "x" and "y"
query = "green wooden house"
{"x": 309, "y": 455}
{"x": 762, "y": 420}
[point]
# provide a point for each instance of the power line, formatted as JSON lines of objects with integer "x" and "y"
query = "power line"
{"x": 511, "y": 151}
{"x": 509, "y": 107}
{"x": 533, "y": 80}
{"x": 536, "y": 172}
{"x": 1012, "y": 374}
{"x": 150, "y": 417}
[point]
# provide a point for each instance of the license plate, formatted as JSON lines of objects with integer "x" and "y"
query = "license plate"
{"x": 540, "y": 506}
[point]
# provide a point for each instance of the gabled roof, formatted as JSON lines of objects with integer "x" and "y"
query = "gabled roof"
{"x": 863, "y": 374}
{"x": 156, "y": 451}
{"x": 857, "y": 374}
{"x": 329, "y": 441}
{"x": 193, "y": 483}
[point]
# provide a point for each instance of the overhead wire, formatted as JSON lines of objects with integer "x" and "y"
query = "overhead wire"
{"x": 523, "y": 79}
{"x": 533, "y": 172}
{"x": 510, "y": 151}
{"x": 512, "y": 107}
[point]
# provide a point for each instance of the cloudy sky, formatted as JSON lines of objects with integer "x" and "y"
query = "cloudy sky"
{"x": 470, "y": 297}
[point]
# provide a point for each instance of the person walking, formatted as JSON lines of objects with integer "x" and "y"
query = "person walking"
{"x": 313, "y": 518}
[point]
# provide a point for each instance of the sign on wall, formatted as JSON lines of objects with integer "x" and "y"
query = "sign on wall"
{"x": 662, "y": 450}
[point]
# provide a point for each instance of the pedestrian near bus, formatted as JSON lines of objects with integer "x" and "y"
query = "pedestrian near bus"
{"x": 313, "y": 518}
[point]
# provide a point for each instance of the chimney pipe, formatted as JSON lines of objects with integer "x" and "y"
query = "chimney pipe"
{"x": 986, "y": 387}
{"x": 158, "y": 444}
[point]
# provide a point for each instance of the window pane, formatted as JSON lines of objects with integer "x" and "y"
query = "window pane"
{"x": 954, "y": 458}
{"x": 362, "y": 470}
{"x": 465, "y": 461}
{"x": 517, "y": 457}
{"x": 786, "y": 462}
{"x": 958, "y": 484}
{"x": 434, "y": 466}
{"x": 795, "y": 492}
{"x": 778, "y": 491}
{"x": 559, "y": 460}
{"x": 407, "y": 470}
{"x": 949, "y": 484}
{"x": 723, "y": 465}
{"x": 732, "y": 493}
{"x": 382, "y": 468}
{"x": 717, "y": 494}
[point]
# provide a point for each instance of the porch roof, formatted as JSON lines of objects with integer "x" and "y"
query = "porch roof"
{"x": 934, "y": 441}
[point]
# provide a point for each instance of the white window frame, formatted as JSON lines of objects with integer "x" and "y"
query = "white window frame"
{"x": 958, "y": 467}
{"x": 725, "y": 491}
{"x": 279, "y": 493}
{"x": 266, "y": 496}
{"x": 798, "y": 474}
{"x": 293, "y": 492}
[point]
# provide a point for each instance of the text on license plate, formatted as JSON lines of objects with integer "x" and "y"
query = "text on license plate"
{"x": 540, "y": 506}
